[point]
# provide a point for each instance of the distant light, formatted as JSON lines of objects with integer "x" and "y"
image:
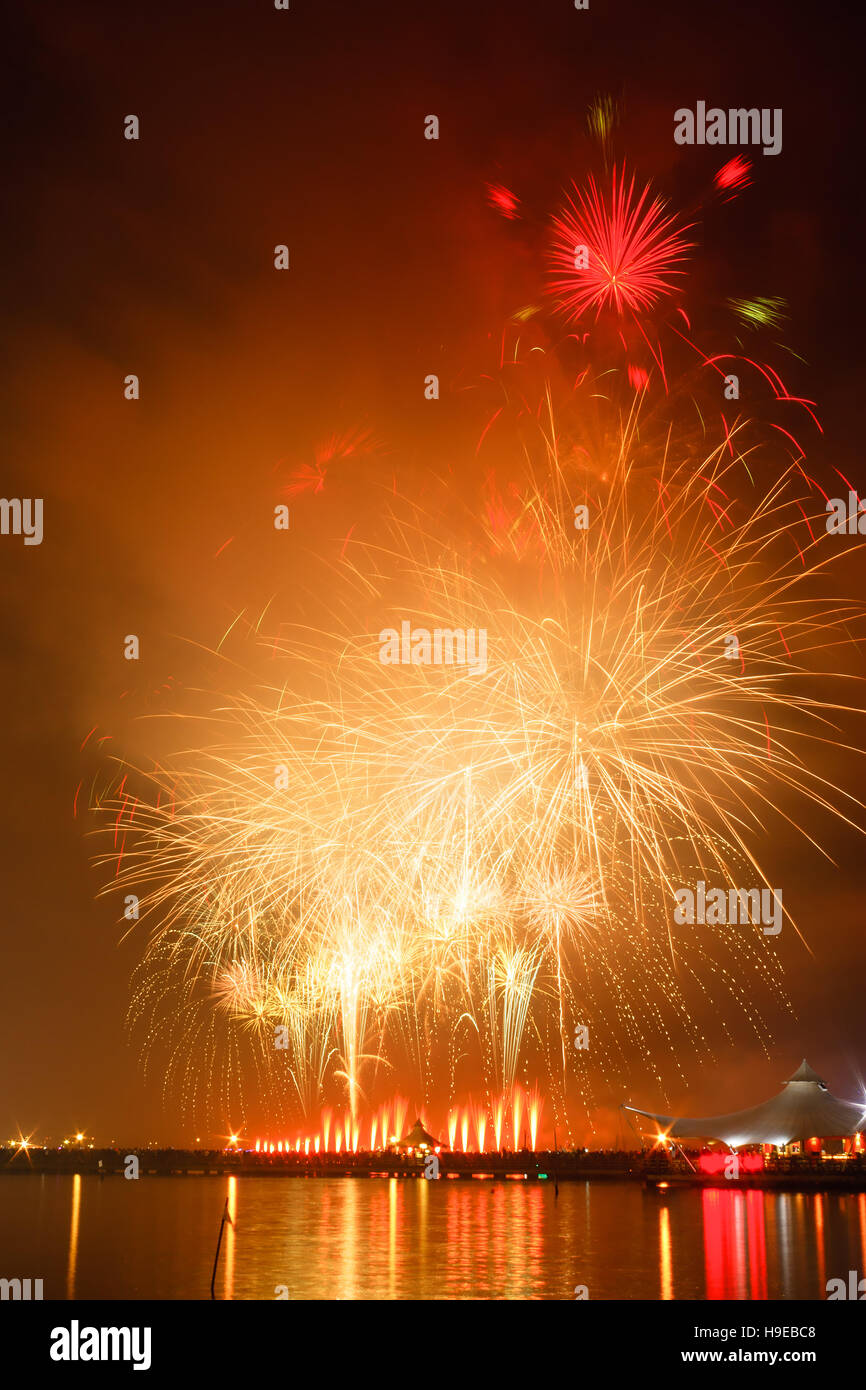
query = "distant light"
{"x": 79, "y": 1137}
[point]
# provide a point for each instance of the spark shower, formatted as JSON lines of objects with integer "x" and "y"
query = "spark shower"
{"x": 368, "y": 877}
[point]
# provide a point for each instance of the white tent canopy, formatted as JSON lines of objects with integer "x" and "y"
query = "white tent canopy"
{"x": 803, "y": 1109}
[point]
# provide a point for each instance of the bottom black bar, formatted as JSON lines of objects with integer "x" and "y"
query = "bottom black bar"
{"x": 339, "y": 1339}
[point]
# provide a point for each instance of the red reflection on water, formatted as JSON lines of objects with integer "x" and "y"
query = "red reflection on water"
{"x": 735, "y": 1244}
{"x": 724, "y": 1243}
{"x": 819, "y": 1240}
{"x": 757, "y": 1237}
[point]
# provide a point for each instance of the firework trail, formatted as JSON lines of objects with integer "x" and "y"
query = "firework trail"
{"x": 416, "y": 846}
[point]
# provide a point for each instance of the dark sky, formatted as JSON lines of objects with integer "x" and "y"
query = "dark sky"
{"x": 260, "y": 127}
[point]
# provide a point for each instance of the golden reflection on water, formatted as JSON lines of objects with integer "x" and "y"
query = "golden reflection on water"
{"x": 352, "y": 1246}
{"x": 393, "y": 1212}
{"x": 73, "y": 1236}
{"x": 422, "y": 1217}
{"x": 665, "y": 1256}
{"x": 401, "y": 1238}
{"x": 229, "y": 1237}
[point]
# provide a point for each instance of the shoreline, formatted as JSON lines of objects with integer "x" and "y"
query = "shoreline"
{"x": 526, "y": 1166}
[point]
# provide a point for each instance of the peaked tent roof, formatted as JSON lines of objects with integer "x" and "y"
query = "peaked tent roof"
{"x": 417, "y": 1138}
{"x": 806, "y": 1073}
{"x": 803, "y": 1109}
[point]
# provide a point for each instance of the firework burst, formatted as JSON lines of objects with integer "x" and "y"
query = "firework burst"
{"x": 397, "y": 864}
{"x": 350, "y": 869}
{"x": 616, "y": 251}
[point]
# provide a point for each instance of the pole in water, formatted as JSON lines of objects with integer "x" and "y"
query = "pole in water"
{"x": 225, "y": 1218}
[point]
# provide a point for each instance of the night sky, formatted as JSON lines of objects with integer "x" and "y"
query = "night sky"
{"x": 155, "y": 257}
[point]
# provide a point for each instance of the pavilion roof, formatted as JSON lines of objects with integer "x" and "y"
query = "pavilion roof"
{"x": 803, "y": 1109}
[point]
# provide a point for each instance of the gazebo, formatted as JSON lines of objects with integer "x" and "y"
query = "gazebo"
{"x": 418, "y": 1138}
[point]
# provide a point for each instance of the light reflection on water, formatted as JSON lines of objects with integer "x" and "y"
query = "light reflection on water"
{"x": 73, "y": 1236}
{"x": 333, "y": 1238}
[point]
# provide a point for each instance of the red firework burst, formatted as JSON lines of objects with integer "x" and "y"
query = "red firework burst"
{"x": 617, "y": 252}
{"x": 734, "y": 176}
{"x": 349, "y": 447}
{"x": 503, "y": 200}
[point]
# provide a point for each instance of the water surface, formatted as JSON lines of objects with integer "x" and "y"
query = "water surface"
{"x": 361, "y": 1238}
